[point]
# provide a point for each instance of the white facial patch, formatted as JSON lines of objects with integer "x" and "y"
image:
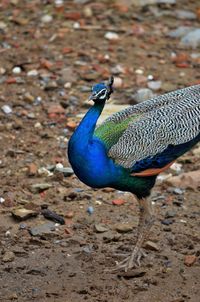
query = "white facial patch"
{"x": 101, "y": 94}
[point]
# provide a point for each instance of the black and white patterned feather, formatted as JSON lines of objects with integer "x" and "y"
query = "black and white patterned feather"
{"x": 169, "y": 119}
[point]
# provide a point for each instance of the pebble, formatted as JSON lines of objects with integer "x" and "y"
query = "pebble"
{"x": 16, "y": 70}
{"x": 192, "y": 39}
{"x": 2, "y": 70}
{"x": 90, "y": 210}
{"x": 52, "y": 216}
{"x": 43, "y": 229}
{"x": 154, "y": 85}
{"x": 170, "y": 214}
{"x": 178, "y": 191}
{"x": 8, "y": 256}
{"x": 6, "y": 109}
{"x": 47, "y": 19}
{"x": 143, "y": 94}
{"x": 40, "y": 187}
{"x": 66, "y": 171}
{"x": 44, "y": 171}
{"x": 23, "y": 214}
{"x": 3, "y": 25}
{"x": 29, "y": 98}
{"x": 87, "y": 12}
{"x": 7, "y": 233}
{"x": 150, "y": 245}
{"x": 176, "y": 167}
{"x": 32, "y": 169}
{"x": 167, "y": 221}
{"x": 68, "y": 75}
{"x": 38, "y": 125}
{"x": 139, "y": 71}
{"x": 100, "y": 228}
{"x": 190, "y": 260}
{"x": 118, "y": 82}
{"x": 69, "y": 214}
{"x": 37, "y": 101}
{"x": 117, "y": 69}
{"x": 2, "y": 200}
{"x": 124, "y": 227}
{"x": 71, "y": 125}
{"x": 112, "y": 36}
{"x": 32, "y": 73}
{"x": 184, "y": 14}
{"x": 22, "y": 226}
{"x": 118, "y": 202}
{"x": 180, "y": 31}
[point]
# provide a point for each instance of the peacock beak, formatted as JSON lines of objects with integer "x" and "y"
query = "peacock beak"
{"x": 92, "y": 97}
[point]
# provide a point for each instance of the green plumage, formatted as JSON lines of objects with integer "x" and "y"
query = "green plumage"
{"x": 110, "y": 132}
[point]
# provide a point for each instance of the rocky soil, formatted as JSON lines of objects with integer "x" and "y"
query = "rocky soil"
{"x": 59, "y": 238}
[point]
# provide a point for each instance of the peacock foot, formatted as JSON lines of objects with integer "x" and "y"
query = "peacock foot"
{"x": 132, "y": 260}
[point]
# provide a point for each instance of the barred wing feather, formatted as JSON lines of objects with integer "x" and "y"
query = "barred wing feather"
{"x": 173, "y": 120}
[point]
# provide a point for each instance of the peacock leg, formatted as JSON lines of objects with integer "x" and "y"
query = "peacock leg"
{"x": 145, "y": 223}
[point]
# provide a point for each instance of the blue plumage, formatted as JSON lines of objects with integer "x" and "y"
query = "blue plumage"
{"x": 132, "y": 147}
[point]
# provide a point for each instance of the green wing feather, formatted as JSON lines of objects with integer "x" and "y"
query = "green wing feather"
{"x": 110, "y": 132}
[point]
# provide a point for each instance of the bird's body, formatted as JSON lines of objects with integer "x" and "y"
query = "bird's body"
{"x": 133, "y": 146}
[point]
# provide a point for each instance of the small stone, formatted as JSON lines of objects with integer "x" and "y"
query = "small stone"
{"x": 2, "y": 70}
{"x": 32, "y": 73}
{"x": 38, "y": 125}
{"x": 56, "y": 109}
{"x": 69, "y": 214}
{"x": 118, "y": 69}
{"x": 43, "y": 230}
{"x": 170, "y": 214}
{"x": 154, "y": 85}
{"x": 118, "y": 202}
{"x": 44, "y": 171}
{"x": 32, "y": 169}
{"x": 87, "y": 12}
{"x": 47, "y": 19}
{"x": 51, "y": 86}
{"x": 180, "y": 31}
{"x": 190, "y": 260}
{"x": 3, "y": 25}
{"x": 53, "y": 216}
{"x": 139, "y": 71}
{"x": 192, "y": 39}
{"x": 143, "y": 94}
{"x": 66, "y": 171}
{"x": 28, "y": 98}
{"x": 6, "y": 109}
{"x": 178, "y": 191}
{"x": 118, "y": 82}
{"x": 184, "y": 14}
{"x": 90, "y": 210}
{"x": 112, "y": 36}
{"x": 100, "y": 228}
{"x": 23, "y": 214}
{"x": 8, "y": 256}
{"x": 124, "y": 227}
{"x": 16, "y": 70}
{"x": 2, "y": 200}
{"x": 68, "y": 75}
{"x": 71, "y": 125}
{"x": 167, "y": 221}
{"x": 37, "y": 188}
{"x": 150, "y": 245}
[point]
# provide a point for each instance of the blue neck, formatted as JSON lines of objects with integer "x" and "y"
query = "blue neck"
{"x": 86, "y": 128}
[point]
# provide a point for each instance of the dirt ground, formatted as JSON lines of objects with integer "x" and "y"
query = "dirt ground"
{"x": 50, "y": 57}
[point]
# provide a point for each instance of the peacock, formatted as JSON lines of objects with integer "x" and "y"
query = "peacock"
{"x": 131, "y": 147}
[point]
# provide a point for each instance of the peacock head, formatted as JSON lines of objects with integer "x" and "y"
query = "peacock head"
{"x": 101, "y": 92}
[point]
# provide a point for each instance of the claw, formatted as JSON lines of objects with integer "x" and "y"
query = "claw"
{"x": 131, "y": 261}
